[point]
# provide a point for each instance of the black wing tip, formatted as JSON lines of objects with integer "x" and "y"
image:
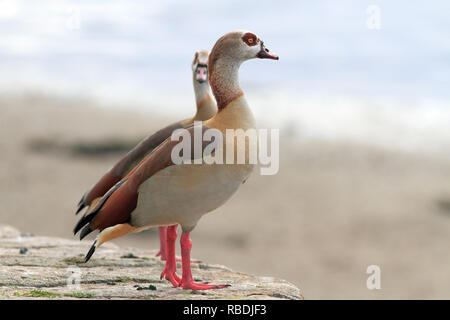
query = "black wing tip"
{"x": 91, "y": 252}
{"x": 85, "y": 231}
{"x": 88, "y": 217}
{"x": 81, "y": 206}
{"x": 82, "y": 222}
{"x": 78, "y": 226}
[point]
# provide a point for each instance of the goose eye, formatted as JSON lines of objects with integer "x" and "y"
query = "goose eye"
{"x": 249, "y": 39}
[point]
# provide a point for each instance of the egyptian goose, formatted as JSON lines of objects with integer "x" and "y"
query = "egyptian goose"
{"x": 159, "y": 193}
{"x": 206, "y": 108}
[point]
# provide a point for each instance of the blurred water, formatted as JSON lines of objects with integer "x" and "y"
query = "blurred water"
{"x": 336, "y": 78}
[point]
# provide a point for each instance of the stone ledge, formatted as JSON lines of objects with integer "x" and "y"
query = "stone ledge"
{"x": 39, "y": 267}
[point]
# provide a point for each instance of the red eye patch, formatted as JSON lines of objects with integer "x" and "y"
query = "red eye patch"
{"x": 250, "y": 39}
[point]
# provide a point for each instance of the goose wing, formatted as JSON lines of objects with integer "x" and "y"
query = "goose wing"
{"x": 127, "y": 163}
{"x": 117, "y": 204}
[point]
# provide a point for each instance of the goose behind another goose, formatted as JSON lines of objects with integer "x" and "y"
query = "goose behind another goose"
{"x": 205, "y": 109}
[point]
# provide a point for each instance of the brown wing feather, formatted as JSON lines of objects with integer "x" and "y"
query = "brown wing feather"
{"x": 117, "y": 205}
{"x": 117, "y": 208}
{"x": 101, "y": 187}
{"x": 127, "y": 163}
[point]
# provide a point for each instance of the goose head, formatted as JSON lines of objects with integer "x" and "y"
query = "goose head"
{"x": 225, "y": 59}
{"x": 241, "y": 46}
{"x": 200, "y": 66}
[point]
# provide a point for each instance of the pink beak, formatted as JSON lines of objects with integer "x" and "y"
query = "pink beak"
{"x": 202, "y": 74}
{"x": 265, "y": 53}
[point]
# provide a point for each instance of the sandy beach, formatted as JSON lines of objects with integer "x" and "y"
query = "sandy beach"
{"x": 333, "y": 209}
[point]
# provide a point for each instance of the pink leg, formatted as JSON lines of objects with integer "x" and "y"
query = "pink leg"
{"x": 162, "y": 243}
{"x": 170, "y": 270}
{"x": 187, "y": 282}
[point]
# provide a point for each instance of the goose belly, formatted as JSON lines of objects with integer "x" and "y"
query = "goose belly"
{"x": 183, "y": 193}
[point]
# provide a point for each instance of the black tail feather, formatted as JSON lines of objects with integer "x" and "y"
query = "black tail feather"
{"x": 86, "y": 230}
{"x": 91, "y": 252}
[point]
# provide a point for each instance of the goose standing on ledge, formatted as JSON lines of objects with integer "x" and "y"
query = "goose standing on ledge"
{"x": 206, "y": 109}
{"x": 159, "y": 193}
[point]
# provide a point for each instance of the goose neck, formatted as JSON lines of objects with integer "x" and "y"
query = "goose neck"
{"x": 224, "y": 81}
